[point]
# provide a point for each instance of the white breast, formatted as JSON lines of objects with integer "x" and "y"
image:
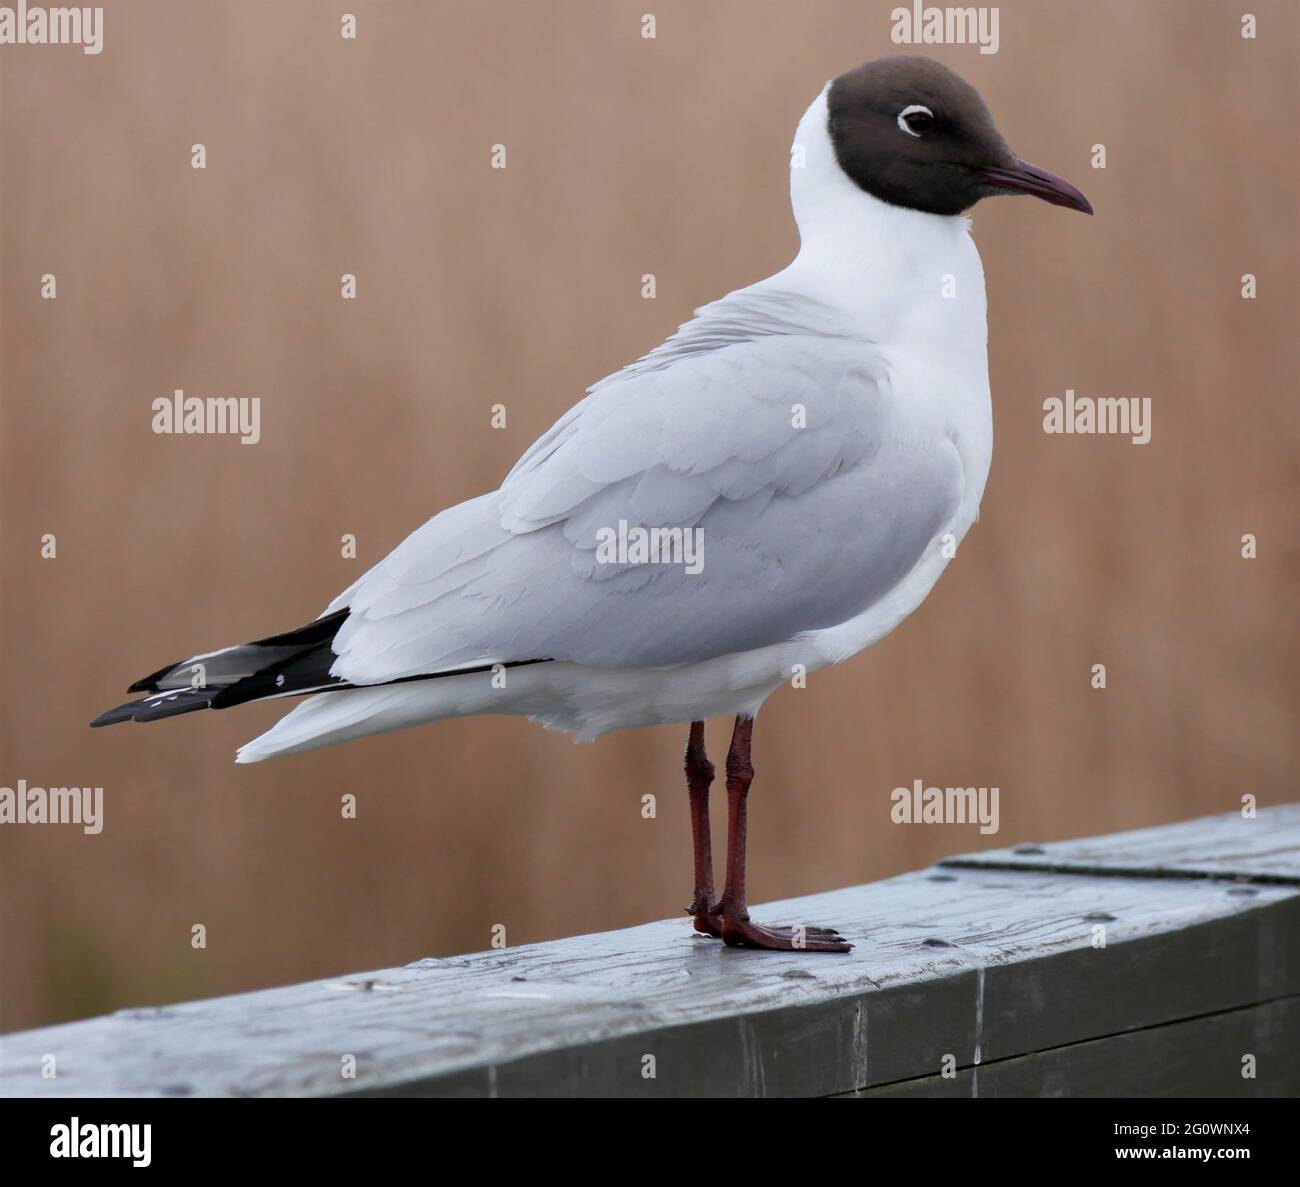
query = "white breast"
{"x": 914, "y": 285}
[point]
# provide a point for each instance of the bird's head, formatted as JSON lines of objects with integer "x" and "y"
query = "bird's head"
{"x": 910, "y": 132}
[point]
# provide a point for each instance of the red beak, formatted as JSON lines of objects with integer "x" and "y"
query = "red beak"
{"x": 1024, "y": 178}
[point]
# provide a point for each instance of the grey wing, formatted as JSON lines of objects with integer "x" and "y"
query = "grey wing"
{"x": 812, "y": 492}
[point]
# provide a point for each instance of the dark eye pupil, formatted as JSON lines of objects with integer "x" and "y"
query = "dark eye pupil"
{"x": 919, "y": 121}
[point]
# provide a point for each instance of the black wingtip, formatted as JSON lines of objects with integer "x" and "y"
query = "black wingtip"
{"x": 113, "y": 716}
{"x": 169, "y": 703}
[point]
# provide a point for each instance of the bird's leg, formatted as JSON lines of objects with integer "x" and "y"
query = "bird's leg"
{"x": 732, "y": 915}
{"x": 699, "y": 776}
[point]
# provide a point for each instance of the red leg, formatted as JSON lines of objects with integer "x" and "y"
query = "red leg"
{"x": 732, "y": 915}
{"x": 699, "y": 776}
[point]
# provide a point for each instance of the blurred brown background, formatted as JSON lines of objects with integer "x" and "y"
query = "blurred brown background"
{"x": 522, "y": 286}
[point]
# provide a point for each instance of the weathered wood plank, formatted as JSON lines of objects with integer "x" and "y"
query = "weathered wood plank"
{"x": 1202, "y": 1057}
{"x": 985, "y": 965}
{"x": 1263, "y": 848}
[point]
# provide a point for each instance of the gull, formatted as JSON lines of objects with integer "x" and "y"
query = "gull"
{"x": 824, "y": 436}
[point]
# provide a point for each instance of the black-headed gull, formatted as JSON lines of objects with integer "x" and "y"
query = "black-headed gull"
{"x": 770, "y": 491}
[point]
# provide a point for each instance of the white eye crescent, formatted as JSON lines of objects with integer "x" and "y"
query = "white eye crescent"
{"x": 916, "y": 120}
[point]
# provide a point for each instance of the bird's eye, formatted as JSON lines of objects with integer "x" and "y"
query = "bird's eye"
{"x": 916, "y": 120}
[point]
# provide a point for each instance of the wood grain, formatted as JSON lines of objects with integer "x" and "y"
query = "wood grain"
{"x": 982, "y": 965}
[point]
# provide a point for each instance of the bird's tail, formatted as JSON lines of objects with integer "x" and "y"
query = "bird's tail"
{"x": 288, "y": 664}
{"x": 299, "y": 662}
{"x": 327, "y": 720}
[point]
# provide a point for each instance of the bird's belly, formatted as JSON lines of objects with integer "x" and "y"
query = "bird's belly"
{"x": 588, "y": 701}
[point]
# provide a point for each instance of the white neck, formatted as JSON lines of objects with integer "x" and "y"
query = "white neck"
{"x": 886, "y": 265}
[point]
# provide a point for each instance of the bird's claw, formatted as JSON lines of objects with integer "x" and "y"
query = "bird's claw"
{"x": 742, "y": 932}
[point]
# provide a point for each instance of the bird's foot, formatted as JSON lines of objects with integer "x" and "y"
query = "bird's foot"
{"x": 739, "y": 931}
{"x": 707, "y": 920}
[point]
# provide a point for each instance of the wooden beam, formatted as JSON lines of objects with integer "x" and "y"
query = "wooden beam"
{"x": 1200, "y": 1057}
{"x": 962, "y": 966}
